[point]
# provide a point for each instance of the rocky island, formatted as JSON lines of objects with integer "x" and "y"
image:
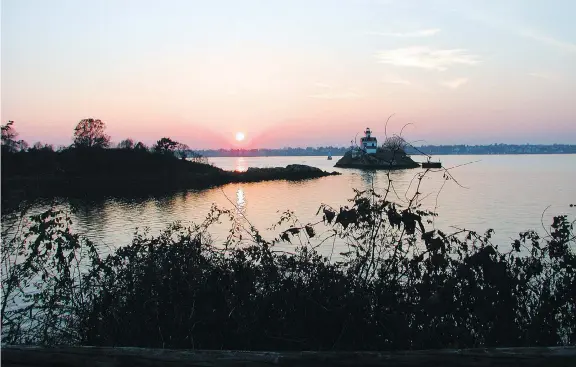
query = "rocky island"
{"x": 391, "y": 155}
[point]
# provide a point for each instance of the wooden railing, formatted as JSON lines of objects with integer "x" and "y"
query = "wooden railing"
{"x": 22, "y": 356}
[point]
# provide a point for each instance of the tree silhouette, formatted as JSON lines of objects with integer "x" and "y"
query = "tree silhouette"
{"x": 89, "y": 133}
{"x": 39, "y": 146}
{"x": 9, "y": 144}
{"x": 394, "y": 143}
{"x": 8, "y": 135}
{"x": 21, "y": 145}
{"x": 126, "y": 144}
{"x": 182, "y": 151}
{"x": 165, "y": 145}
{"x": 140, "y": 146}
{"x": 196, "y": 157}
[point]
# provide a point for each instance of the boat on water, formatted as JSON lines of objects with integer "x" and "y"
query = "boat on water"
{"x": 429, "y": 164}
{"x": 329, "y": 156}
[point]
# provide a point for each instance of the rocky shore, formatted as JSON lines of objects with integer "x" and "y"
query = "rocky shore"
{"x": 381, "y": 160}
{"x": 290, "y": 172}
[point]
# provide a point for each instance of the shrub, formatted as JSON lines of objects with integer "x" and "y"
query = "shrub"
{"x": 398, "y": 286}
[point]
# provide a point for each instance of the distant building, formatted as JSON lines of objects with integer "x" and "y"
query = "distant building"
{"x": 369, "y": 143}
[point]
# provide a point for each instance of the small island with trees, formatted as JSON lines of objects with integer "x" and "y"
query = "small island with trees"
{"x": 391, "y": 155}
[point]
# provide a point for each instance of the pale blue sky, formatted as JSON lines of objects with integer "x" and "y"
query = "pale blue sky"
{"x": 291, "y": 72}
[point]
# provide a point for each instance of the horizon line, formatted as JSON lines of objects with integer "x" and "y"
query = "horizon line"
{"x": 422, "y": 145}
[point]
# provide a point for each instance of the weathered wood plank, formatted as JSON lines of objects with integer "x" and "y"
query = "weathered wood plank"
{"x": 21, "y": 356}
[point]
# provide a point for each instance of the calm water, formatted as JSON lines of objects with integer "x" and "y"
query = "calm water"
{"x": 507, "y": 193}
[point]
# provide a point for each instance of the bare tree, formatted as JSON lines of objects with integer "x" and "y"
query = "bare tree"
{"x": 394, "y": 143}
{"x": 181, "y": 151}
{"x": 89, "y": 133}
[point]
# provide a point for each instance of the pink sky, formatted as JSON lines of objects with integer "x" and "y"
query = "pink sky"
{"x": 307, "y": 74}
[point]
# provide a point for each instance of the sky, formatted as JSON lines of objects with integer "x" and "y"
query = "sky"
{"x": 291, "y": 72}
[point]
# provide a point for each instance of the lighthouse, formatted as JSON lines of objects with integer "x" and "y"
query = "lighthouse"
{"x": 369, "y": 143}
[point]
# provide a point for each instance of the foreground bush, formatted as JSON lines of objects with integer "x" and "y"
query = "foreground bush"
{"x": 398, "y": 286}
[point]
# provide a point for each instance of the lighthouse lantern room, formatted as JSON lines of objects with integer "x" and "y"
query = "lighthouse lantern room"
{"x": 369, "y": 143}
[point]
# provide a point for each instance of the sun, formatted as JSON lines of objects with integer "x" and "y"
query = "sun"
{"x": 240, "y": 136}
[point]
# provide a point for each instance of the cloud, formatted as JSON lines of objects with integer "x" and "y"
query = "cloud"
{"x": 414, "y": 34}
{"x": 456, "y": 83}
{"x": 538, "y": 75}
{"x": 328, "y": 91}
{"x": 337, "y": 95}
{"x": 566, "y": 46}
{"x": 394, "y": 78}
{"x": 398, "y": 81}
{"x": 427, "y": 58}
{"x": 542, "y": 76}
{"x": 511, "y": 25}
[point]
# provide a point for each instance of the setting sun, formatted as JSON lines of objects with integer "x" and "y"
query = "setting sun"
{"x": 239, "y": 136}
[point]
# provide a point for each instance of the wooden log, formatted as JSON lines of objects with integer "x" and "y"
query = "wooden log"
{"x": 27, "y": 356}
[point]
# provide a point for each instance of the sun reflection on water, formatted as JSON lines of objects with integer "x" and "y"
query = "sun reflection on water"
{"x": 240, "y": 201}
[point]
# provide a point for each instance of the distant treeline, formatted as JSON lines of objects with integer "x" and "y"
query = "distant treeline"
{"x": 427, "y": 149}
{"x": 493, "y": 149}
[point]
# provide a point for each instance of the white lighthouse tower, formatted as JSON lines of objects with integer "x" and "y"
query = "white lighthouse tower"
{"x": 369, "y": 143}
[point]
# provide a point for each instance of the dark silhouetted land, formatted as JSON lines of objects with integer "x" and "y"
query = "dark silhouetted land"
{"x": 92, "y": 171}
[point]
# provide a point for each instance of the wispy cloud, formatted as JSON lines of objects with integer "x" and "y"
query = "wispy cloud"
{"x": 545, "y": 76}
{"x": 393, "y": 78}
{"x": 455, "y": 84}
{"x": 566, "y": 46}
{"x": 330, "y": 92}
{"x": 414, "y": 34}
{"x": 400, "y": 81}
{"x": 337, "y": 95}
{"x": 538, "y": 75}
{"x": 427, "y": 58}
{"x": 513, "y": 26}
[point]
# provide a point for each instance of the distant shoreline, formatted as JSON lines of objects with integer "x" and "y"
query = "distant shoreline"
{"x": 338, "y": 155}
{"x": 493, "y": 149}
